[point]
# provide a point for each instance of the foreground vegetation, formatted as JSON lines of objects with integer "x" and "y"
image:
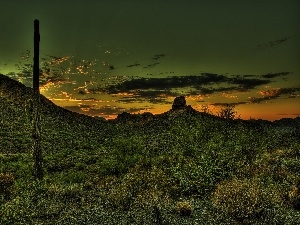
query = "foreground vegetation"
{"x": 177, "y": 168}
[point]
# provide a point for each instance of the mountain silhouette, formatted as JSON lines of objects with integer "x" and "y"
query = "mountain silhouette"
{"x": 16, "y": 109}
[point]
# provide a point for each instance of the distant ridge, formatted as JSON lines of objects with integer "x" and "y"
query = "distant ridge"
{"x": 18, "y": 93}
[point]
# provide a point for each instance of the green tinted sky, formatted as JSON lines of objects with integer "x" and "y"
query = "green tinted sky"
{"x": 136, "y": 56}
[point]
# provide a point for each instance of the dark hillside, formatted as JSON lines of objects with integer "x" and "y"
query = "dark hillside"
{"x": 20, "y": 95}
{"x": 15, "y": 118}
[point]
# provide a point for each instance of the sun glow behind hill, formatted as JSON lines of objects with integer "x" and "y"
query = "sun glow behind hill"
{"x": 98, "y": 89}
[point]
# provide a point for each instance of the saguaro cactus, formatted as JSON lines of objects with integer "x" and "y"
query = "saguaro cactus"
{"x": 37, "y": 153}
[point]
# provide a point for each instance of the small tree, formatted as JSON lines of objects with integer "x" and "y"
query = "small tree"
{"x": 227, "y": 112}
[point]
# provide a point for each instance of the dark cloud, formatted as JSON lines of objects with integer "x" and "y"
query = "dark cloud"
{"x": 230, "y": 104}
{"x": 150, "y": 65}
{"x": 133, "y": 65}
{"x": 155, "y": 93}
{"x": 250, "y": 75}
{"x": 157, "y": 90}
{"x": 272, "y": 43}
{"x": 130, "y": 100}
{"x": 261, "y": 99}
{"x": 81, "y": 92}
{"x": 158, "y": 56}
{"x": 166, "y": 83}
{"x": 247, "y": 84}
{"x": 206, "y": 91}
{"x": 192, "y": 81}
{"x": 152, "y": 96}
{"x": 193, "y": 92}
{"x": 89, "y": 99}
{"x": 211, "y": 90}
{"x": 159, "y": 101}
{"x": 273, "y": 75}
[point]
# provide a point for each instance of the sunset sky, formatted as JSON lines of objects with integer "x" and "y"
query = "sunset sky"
{"x": 101, "y": 57}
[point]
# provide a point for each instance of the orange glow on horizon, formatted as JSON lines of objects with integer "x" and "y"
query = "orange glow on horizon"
{"x": 246, "y": 111}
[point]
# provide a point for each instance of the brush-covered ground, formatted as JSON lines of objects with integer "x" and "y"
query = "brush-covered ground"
{"x": 180, "y": 167}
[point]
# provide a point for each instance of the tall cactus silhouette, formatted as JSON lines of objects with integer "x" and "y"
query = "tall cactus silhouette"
{"x": 37, "y": 153}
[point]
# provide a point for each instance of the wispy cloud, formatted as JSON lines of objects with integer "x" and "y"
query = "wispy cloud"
{"x": 276, "y": 93}
{"x": 152, "y": 96}
{"x": 274, "y": 75}
{"x": 270, "y": 44}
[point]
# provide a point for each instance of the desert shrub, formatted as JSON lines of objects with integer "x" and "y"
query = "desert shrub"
{"x": 18, "y": 164}
{"x": 193, "y": 177}
{"x": 245, "y": 199}
{"x": 146, "y": 187}
{"x": 7, "y": 181}
{"x": 198, "y": 176}
{"x": 274, "y": 167}
{"x": 124, "y": 154}
{"x": 292, "y": 164}
{"x": 105, "y": 183}
{"x": 184, "y": 208}
{"x": 115, "y": 165}
{"x": 66, "y": 193}
{"x": 294, "y": 197}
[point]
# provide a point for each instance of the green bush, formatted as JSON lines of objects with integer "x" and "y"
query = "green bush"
{"x": 198, "y": 176}
{"x": 146, "y": 187}
{"x": 66, "y": 193}
{"x": 74, "y": 177}
{"x": 245, "y": 199}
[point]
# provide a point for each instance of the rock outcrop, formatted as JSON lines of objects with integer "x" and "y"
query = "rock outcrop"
{"x": 179, "y": 103}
